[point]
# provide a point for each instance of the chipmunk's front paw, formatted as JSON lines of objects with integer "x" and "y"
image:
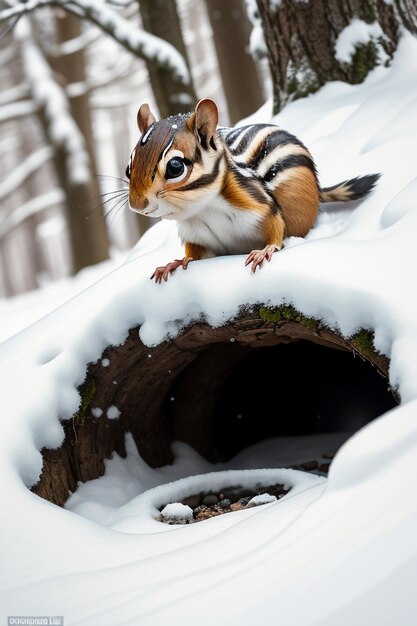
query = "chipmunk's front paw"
{"x": 164, "y": 271}
{"x": 257, "y": 257}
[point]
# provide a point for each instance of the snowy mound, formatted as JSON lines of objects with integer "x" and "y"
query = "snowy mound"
{"x": 347, "y": 547}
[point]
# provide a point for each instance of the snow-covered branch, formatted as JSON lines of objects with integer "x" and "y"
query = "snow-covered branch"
{"x": 25, "y": 169}
{"x": 32, "y": 207}
{"x": 131, "y": 37}
{"x": 53, "y": 102}
{"x": 100, "y": 80}
{"x": 77, "y": 44}
{"x": 12, "y": 112}
{"x": 14, "y": 93}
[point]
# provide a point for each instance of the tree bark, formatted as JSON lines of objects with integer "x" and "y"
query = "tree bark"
{"x": 172, "y": 96}
{"x": 87, "y": 226}
{"x": 301, "y": 37}
{"x": 240, "y": 78}
{"x": 176, "y": 390}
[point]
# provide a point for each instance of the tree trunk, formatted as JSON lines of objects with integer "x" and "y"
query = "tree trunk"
{"x": 240, "y": 78}
{"x": 161, "y": 19}
{"x": 301, "y": 38}
{"x": 88, "y": 231}
{"x": 193, "y": 389}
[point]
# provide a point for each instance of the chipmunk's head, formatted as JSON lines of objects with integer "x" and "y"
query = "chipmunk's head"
{"x": 176, "y": 167}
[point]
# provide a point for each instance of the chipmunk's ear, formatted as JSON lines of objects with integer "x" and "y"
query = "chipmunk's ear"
{"x": 145, "y": 118}
{"x": 203, "y": 122}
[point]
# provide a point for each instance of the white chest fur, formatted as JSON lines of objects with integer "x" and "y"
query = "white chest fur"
{"x": 223, "y": 229}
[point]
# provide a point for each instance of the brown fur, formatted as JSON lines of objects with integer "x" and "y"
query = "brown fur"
{"x": 340, "y": 194}
{"x": 274, "y": 229}
{"x": 237, "y": 195}
{"x": 145, "y": 118}
{"x": 146, "y": 160}
{"x": 298, "y": 197}
{"x": 194, "y": 251}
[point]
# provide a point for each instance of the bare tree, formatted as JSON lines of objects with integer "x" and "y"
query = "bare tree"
{"x": 161, "y": 19}
{"x": 112, "y": 22}
{"x": 88, "y": 232}
{"x": 302, "y": 41}
{"x": 71, "y": 158}
{"x": 240, "y": 78}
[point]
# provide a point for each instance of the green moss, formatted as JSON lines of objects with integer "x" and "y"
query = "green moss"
{"x": 287, "y": 313}
{"x": 269, "y": 315}
{"x": 363, "y": 341}
{"x": 87, "y": 391}
{"x": 363, "y": 61}
{"x": 366, "y": 12}
{"x": 302, "y": 79}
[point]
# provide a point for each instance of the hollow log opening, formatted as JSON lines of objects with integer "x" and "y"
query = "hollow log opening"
{"x": 232, "y": 397}
{"x": 270, "y": 373}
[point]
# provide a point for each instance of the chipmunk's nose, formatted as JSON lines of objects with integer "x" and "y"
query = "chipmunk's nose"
{"x": 138, "y": 203}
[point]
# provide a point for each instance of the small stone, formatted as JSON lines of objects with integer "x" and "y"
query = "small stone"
{"x": 192, "y": 501}
{"x": 245, "y": 501}
{"x": 309, "y": 466}
{"x": 225, "y": 503}
{"x": 210, "y": 499}
{"x": 236, "y": 506}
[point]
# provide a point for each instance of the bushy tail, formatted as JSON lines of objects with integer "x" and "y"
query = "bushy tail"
{"x": 352, "y": 189}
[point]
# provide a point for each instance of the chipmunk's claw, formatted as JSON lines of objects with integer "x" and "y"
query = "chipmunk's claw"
{"x": 164, "y": 271}
{"x": 257, "y": 257}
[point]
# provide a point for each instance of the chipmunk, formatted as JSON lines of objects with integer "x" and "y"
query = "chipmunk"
{"x": 231, "y": 191}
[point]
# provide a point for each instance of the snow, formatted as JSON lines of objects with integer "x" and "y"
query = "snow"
{"x": 130, "y": 492}
{"x": 20, "y": 311}
{"x": 257, "y": 45}
{"x": 177, "y": 512}
{"x": 262, "y": 498}
{"x": 358, "y": 33}
{"x": 331, "y": 551}
{"x": 113, "y": 413}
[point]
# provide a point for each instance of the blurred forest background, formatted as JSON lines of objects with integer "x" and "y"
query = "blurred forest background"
{"x": 69, "y": 95}
{"x": 71, "y": 82}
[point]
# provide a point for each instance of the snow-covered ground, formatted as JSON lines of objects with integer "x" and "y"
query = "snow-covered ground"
{"x": 335, "y": 552}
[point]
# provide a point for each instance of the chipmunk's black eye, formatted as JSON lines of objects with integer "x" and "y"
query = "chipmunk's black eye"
{"x": 128, "y": 171}
{"x": 175, "y": 167}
